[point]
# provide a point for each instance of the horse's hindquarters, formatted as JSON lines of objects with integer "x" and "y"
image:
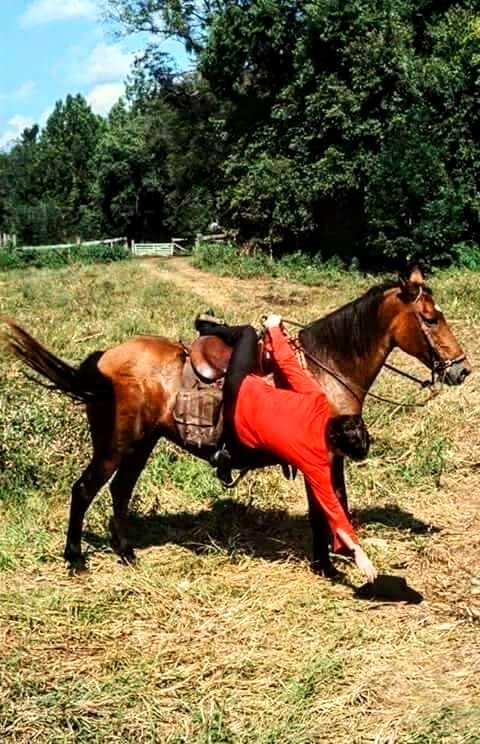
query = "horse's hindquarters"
{"x": 146, "y": 375}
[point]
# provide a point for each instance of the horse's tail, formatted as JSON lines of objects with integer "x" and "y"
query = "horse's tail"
{"x": 83, "y": 384}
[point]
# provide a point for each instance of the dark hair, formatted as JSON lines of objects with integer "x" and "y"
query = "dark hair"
{"x": 349, "y": 436}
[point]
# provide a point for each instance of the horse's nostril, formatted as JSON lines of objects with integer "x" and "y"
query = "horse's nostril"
{"x": 457, "y": 374}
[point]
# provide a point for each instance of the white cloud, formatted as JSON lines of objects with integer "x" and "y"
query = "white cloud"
{"x": 106, "y": 63}
{"x": 16, "y": 125}
{"x": 40, "y": 12}
{"x": 104, "y": 96}
{"x": 23, "y": 91}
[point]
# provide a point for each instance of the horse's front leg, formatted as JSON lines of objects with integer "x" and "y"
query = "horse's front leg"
{"x": 338, "y": 481}
{"x": 321, "y": 563}
{"x": 339, "y": 486}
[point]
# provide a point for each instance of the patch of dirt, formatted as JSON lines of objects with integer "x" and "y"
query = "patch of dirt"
{"x": 223, "y": 292}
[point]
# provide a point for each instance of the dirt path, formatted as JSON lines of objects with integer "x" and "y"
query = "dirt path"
{"x": 185, "y": 276}
{"x": 221, "y": 292}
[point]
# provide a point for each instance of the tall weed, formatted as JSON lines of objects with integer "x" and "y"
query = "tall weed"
{"x": 225, "y": 259}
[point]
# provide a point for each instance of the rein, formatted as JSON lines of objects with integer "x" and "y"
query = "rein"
{"x": 337, "y": 376}
{"x": 439, "y": 367}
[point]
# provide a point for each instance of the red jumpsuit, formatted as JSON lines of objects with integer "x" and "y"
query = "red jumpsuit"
{"x": 291, "y": 424}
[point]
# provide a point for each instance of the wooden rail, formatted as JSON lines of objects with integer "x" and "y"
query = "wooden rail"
{"x": 57, "y": 246}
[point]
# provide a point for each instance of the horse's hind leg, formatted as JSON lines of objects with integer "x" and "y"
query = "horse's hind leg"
{"x": 95, "y": 475}
{"x": 121, "y": 489}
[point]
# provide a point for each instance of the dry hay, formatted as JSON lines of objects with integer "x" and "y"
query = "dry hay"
{"x": 222, "y": 634}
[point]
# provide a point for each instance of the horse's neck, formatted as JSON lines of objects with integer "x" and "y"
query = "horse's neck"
{"x": 370, "y": 365}
{"x": 357, "y": 374}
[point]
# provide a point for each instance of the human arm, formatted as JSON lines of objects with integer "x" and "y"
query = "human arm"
{"x": 286, "y": 359}
{"x": 319, "y": 480}
{"x": 363, "y": 562}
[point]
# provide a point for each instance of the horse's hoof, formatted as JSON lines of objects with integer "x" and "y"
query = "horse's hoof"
{"x": 76, "y": 561}
{"x": 326, "y": 570}
{"x": 124, "y": 551}
{"x": 128, "y": 557}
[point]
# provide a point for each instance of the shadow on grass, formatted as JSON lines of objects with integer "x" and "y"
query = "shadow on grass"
{"x": 389, "y": 588}
{"x": 394, "y": 517}
{"x": 265, "y": 533}
{"x": 228, "y": 525}
{"x": 272, "y": 534}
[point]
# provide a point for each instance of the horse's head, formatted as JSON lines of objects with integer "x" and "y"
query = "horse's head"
{"x": 419, "y": 328}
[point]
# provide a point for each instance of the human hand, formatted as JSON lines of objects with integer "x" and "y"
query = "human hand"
{"x": 272, "y": 321}
{"x": 364, "y": 564}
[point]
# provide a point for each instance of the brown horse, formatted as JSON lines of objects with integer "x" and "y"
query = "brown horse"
{"x": 130, "y": 392}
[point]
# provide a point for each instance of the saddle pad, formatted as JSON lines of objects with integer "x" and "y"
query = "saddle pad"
{"x": 198, "y": 416}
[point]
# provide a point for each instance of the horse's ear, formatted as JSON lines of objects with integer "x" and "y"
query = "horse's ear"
{"x": 411, "y": 284}
{"x": 416, "y": 276}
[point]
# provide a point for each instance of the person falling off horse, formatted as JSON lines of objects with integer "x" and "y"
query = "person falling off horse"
{"x": 293, "y": 422}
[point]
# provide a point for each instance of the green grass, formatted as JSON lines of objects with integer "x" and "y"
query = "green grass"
{"x": 449, "y": 724}
{"x": 222, "y": 634}
{"x": 227, "y": 260}
{"x": 43, "y": 256}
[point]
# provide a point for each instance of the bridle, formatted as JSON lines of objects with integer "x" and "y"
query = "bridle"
{"x": 439, "y": 367}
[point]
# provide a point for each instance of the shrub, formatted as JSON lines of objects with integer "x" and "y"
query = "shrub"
{"x": 227, "y": 260}
{"x": 55, "y": 257}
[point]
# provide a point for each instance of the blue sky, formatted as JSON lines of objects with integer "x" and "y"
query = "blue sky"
{"x": 51, "y": 48}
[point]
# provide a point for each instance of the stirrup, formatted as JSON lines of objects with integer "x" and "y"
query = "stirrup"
{"x": 222, "y": 461}
{"x": 220, "y": 457}
{"x": 224, "y": 474}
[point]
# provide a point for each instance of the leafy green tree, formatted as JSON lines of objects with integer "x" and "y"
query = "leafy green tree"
{"x": 25, "y": 209}
{"x": 129, "y": 184}
{"x": 187, "y": 20}
{"x": 353, "y": 126}
{"x": 348, "y": 128}
{"x": 46, "y": 178}
{"x": 67, "y": 145}
{"x": 186, "y": 126}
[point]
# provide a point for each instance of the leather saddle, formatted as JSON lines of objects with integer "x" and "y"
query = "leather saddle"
{"x": 209, "y": 357}
{"x": 200, "y": 419}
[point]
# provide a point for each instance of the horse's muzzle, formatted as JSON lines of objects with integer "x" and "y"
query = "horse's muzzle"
{"x": 457, "y": 372}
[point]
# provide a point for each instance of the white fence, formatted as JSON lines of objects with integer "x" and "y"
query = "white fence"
{"x": 7, "y": 240}
{"x": 152, "y": 249}
{"x": 173, "y": 248}
{"x": 160, "y": 249}
{"x": 105, "y": 241}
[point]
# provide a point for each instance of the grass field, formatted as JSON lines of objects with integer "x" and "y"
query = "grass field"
{"x": 222, "y": 634}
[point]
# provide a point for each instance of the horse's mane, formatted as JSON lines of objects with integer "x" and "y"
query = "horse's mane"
{"x": 350, "y": 330}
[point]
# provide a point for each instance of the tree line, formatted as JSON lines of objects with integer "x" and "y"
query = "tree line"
{"x": 333, "y": 127}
